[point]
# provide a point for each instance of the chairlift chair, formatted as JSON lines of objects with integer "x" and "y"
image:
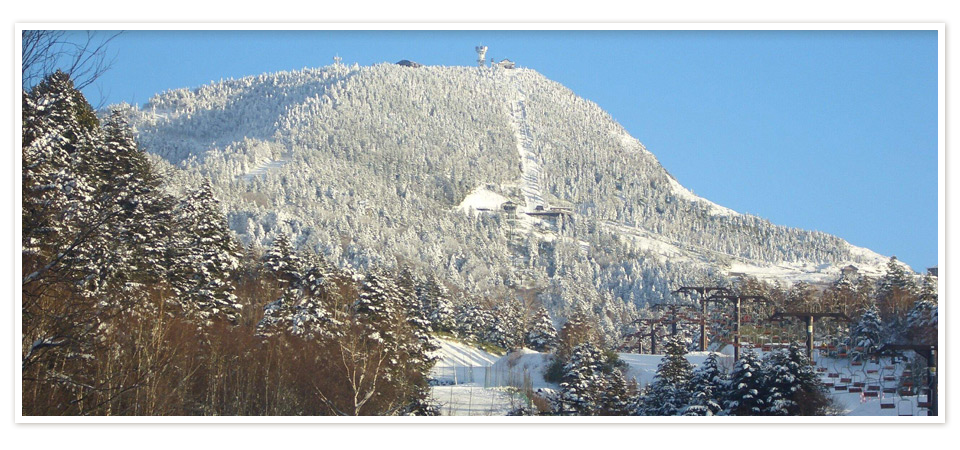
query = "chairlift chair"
{"x": 887, "y": 404}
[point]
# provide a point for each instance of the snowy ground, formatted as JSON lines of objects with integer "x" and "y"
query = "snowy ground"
{"x": 685, "y": 193}
{"x": 482, "y": 198}
{"x": 470, "y": 381}
{"x": 263, "y": 168}
{"x": 467, "y": 384}
{"x": 871, "y": 264}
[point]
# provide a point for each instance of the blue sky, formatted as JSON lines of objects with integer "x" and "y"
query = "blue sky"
{"x": 827, "y": 130}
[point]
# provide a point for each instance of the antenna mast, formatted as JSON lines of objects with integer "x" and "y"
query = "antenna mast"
{"x": 481, "y": 55}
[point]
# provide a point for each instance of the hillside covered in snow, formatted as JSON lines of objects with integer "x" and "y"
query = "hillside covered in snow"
{"x": 500, "y": 181}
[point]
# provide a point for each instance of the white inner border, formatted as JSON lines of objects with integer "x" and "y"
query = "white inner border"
{"x": 943, "y": 375}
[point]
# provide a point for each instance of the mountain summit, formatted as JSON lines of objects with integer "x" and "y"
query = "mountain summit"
{"x": 499, "y": 180}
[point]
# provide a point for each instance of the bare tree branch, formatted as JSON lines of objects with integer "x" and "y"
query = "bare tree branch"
{"x": 84, "y": 59}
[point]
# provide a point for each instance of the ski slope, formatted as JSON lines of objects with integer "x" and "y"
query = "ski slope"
{"x": 530, "y": 167}
{"x": 264, "y": 168}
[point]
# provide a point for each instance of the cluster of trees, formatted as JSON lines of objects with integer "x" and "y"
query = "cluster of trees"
{"x": 897, "y": 307}
{"x": 139, "y": 301}
{"x": 781, "y": 384}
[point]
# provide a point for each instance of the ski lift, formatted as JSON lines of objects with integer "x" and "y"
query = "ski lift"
{"x": 858, "y": 380}
{"x": 855, "y": 390}
{"x": 871, "y": 394}
{"x": 885, "y": 404}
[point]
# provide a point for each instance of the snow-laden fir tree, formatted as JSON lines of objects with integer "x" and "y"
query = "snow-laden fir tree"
{"x": 619, "y": 397}
{"x": 298, "y": 313}
{"x": 921, "y": 322}
{"x": 418, "y": 349}
{"x": 130, "y": 247}
{"x": 867, "y": 334}
{"x": 809, "y": 394}
{"x": 670, "y": 391}
{"x": 473, "y": 321}
{"x": 283, "y": 261}
{"x": 206, "y": 256}
{"x": 377, "y": 306}
{"x": 707, "y": 386}
{"x": 747, "y": 392}
{"x": 542, "y": 335}
{"x": 781, "y": 384}
{"x": 583, "y": 384}
{"x": 436, "y": 304}
{"x": 60, "y": 139}
{"x": 506, "y": 330}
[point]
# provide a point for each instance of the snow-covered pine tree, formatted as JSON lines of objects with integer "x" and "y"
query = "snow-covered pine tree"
{"x": 670, "y": 391}
{"x": 867, "y": 334}
{"x": 542, "y": 335}
{"x": 283, "y": 261}
{"x": 299, "y": 313}
{"x": 206, "y": 256}
{"x": 896, "y": 293}
{"x": 618, "y": 398}
{"x": 436, "y": 304}
{"x": 60, "y": 136}
{"x": 781, "y": 384}
{"x": 921, "y": 322}
{"x": 707, "y": 386}
{"x": 809, "y": 393}
{"x": 582, "y": 385}
{"x": 506, "y": 329}
{"x": 131, "y": 248}
{"x": 747, "y": 391}
{"x": 472, "y": 320}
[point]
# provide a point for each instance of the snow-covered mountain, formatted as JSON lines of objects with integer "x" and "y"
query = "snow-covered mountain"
{"x": 501, "y": 181}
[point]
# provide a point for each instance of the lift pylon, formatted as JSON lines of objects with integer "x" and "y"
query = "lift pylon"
{"x": 809, "y": 317}
{"x": 703, "y": 293}
{"x": 737, "y": 301}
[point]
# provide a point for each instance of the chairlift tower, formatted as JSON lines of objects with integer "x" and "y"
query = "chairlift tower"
{"x": 704, "y": 292}
{"x": 737, "y": 301}
{"x": 481, "y": 55}
{"x": 809, "y": 317}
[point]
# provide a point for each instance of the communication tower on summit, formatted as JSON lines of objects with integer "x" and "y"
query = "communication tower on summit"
{"x": 481, "y": 54}
{"x": 336, "y": 60}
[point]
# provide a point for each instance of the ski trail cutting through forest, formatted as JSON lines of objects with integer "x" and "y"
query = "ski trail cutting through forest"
{"x": 262, "y": 169}
{"x": 530, "y": 167}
